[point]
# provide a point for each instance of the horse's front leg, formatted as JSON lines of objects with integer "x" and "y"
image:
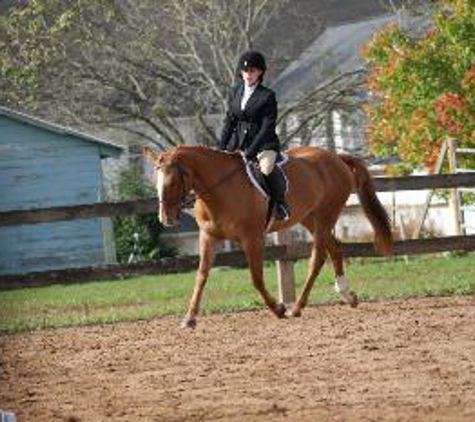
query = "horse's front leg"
{"x": 207, "y": 247}
{"x": 254, "y": 250}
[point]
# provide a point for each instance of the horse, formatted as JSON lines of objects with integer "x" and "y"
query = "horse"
{"x": 228, "y": 206}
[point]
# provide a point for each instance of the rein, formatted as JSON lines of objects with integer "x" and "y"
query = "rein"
{"x": 186, "y": 202}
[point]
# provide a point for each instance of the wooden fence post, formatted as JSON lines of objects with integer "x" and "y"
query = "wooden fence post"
{"x": 285, "y": 269}
{"x": 425, "y": 208}
{"x": 454, "y": 195}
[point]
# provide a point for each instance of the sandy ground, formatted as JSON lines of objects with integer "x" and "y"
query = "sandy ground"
{"x": 411, "y": 360}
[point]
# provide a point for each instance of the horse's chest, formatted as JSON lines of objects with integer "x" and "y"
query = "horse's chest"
{"x": 209, "y": 223}
{"x": 221, "y": 230}
{"x": 233, "y": 219}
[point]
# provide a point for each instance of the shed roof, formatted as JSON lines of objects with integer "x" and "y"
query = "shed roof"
{"x": 106, "y": 148}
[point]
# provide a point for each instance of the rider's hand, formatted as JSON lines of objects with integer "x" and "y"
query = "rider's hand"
{"x": 249, "y": 156}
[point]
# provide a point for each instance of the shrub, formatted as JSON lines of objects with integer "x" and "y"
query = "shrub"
{"x": 137, "y": 237}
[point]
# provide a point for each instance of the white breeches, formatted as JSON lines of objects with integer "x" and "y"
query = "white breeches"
{"x": 266, "y": 160}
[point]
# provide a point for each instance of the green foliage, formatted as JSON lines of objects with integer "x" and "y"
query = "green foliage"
{"x": 139, "y": 235}
{"x": 35, "y": 39}
{"x": 424, "y": 88}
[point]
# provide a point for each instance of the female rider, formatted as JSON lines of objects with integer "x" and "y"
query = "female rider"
{"x": 249, "y": 125}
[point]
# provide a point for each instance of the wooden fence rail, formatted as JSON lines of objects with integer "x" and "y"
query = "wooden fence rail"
{"x": 293, "y": 252}
{"x": 290, "y": 252}
{"x": 45, "y": 215}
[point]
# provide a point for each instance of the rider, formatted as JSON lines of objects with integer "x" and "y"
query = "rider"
{"x": 249, "y": 125}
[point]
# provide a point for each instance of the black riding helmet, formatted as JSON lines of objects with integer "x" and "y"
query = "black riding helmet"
{"x": 252, "y": 59}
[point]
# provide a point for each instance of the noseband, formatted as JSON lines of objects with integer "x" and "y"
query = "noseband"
{"x": 183, "y": 174}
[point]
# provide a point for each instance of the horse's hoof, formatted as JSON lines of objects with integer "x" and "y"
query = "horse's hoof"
{"x": 354, "y": 300}
{"x": 294, "y": 313}
{"x": 351, "y": 298}
{"x": 280, "y": 310}
{"x": 188, "y": 323}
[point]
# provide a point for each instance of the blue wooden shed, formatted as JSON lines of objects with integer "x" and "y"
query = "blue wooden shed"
{"x": 46, "y": 165}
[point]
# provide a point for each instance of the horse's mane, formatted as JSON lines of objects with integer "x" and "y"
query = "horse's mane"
{"x": 207, "y": 151}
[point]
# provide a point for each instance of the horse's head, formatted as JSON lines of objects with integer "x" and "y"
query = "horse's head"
{"x": 173, "y": 182}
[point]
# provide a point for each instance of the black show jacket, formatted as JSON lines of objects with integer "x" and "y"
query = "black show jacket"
{"x": 253, "y": 129}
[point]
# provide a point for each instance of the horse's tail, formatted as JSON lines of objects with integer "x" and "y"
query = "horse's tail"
{"x": 372, "y": 207}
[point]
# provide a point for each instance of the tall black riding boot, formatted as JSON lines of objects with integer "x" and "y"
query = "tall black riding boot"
{"x": 277, "y": 193}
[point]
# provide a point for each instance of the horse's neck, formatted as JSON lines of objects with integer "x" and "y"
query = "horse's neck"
{"x": 208, "y": 168}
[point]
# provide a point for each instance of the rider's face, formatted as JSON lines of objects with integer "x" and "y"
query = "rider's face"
{"x": 251, "y": 75}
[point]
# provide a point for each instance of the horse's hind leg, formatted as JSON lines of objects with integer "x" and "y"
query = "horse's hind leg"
{"x": 341, "y": 285}
{"x": 254, "y": 250}
{"x": 207, "y": 246}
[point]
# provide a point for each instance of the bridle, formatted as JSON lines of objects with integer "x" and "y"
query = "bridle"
{"x": 186, "y": 200}
{"x": 183, "y": 174}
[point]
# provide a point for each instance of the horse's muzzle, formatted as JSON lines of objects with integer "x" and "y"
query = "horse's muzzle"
{"x": 169, "y": 221}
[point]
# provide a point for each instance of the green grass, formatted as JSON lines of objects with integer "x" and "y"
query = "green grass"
{"x": 227, "y": 290}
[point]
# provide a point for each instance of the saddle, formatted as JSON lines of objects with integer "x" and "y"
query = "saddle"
{"x": 259, "y": 182}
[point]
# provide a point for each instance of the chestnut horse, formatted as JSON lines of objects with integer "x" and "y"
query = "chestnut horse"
{"x": 229, "y": 207}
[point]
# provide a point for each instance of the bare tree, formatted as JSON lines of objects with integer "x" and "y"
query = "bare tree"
{"x": 141, "y": 66}
{"x": 311, "y": 110}
{"x": 152, "y": 63}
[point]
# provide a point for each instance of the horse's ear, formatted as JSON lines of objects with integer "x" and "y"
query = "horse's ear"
{"x": 151, "y": 155}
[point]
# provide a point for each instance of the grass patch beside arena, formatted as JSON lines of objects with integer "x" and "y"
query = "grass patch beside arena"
{"x": 227, "y": 290}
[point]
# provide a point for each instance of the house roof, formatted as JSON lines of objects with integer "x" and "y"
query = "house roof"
{"x": 299, "y": 22}
{"x": 106, "y": 148}
{"x": 337, "y": 50}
